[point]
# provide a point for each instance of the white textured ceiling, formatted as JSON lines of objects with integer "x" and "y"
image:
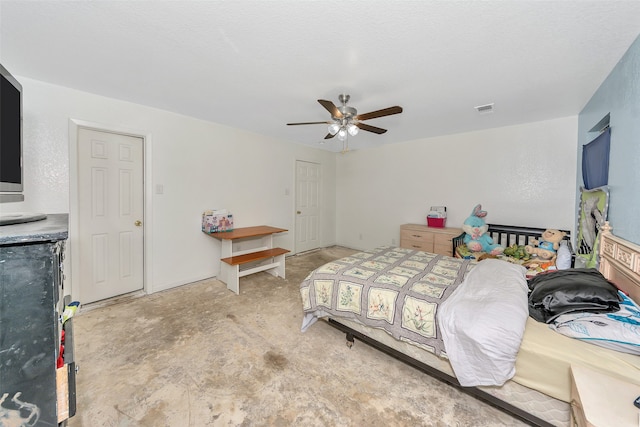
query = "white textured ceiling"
{"x": 258, "y": 65}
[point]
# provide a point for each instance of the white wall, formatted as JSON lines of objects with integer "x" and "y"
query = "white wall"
{"x": 201, "y": 165}
{"x": 522, "y": 175}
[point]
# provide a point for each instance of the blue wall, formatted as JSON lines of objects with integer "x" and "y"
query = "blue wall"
{"x": 619, "y": 95}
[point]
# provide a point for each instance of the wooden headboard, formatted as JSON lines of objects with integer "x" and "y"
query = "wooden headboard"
{"x": 620, "y": 262}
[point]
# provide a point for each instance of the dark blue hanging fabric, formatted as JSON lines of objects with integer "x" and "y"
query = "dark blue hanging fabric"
{"x": 595, "y": 161}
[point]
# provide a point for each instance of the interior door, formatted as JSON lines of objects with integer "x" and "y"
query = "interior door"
{"x": 110, "y": 205}
{"x": 307, "y": 206}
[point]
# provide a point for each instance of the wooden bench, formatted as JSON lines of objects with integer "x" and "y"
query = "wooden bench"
{"x": 254, "y": 256}
{"x": 233, "y": 273}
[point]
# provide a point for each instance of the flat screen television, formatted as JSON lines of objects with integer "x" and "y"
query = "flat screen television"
{"x": 11, "y": 173}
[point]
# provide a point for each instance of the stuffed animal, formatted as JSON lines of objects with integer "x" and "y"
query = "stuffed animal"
{"x": 547, "y": 246}
{"x": 517, "y": 252}
{"x": 475, "y": 237}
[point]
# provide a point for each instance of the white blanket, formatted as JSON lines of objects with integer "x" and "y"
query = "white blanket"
{"x": 483, "y": 322}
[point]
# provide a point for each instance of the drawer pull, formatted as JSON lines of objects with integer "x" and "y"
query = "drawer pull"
{"x": 416, "y": 235}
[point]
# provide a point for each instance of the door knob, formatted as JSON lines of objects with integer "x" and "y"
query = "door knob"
{"x": 299, "y": 212}
{"x": 138, "y": 223}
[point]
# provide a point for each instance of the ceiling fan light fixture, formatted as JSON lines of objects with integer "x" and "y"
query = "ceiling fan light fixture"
{"x": 345, "y": 120}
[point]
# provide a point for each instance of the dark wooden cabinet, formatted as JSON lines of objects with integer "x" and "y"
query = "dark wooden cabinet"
{"x": 31, "y": 305}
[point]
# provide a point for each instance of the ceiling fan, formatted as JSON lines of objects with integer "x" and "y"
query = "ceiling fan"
{"x": 345, "y": 120}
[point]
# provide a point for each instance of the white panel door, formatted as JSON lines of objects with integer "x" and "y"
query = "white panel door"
{"x": 307, "y": 206}
{"x": 110, "y": 205}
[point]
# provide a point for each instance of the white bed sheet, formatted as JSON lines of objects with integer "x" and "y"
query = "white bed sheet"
{"x": 483, "y": 321}
{"x": 545, "y": 359}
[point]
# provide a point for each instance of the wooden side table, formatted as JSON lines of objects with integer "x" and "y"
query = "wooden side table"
{"x": 233, "y": 259}
{"x": 600, "y": 400}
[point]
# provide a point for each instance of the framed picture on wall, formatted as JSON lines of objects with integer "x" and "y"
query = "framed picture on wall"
{"x": 592, "y": 213}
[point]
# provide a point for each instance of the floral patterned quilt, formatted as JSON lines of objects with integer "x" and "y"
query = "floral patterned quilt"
{"x": 391, "y": 288}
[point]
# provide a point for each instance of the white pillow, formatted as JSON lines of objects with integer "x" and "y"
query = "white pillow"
{"x": 563, "y": 260}
{"x": 618, "y": 331}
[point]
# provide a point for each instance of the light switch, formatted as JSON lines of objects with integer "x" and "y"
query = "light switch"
{"x": 159, "y": 189}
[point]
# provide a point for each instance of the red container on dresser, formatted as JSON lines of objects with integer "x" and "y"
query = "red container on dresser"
{"x": 436, "y": 222}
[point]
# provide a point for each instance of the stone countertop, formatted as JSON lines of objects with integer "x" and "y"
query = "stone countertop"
{"x": 55, "y": 227}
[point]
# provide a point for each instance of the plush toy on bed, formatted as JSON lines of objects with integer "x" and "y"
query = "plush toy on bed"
{"x": 475, "y": 238}
{"x": 547, "y": 246}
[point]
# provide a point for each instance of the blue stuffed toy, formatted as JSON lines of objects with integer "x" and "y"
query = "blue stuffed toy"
{"x": 475, "y": 237}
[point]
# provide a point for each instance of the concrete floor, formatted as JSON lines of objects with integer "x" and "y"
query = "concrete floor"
{"x": 199, "y": 355}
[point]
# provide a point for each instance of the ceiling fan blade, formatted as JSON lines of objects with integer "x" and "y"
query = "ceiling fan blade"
{"x": 379, "y": 113}
{"x": 331, "y": 108}
{"x": 329, "y": 136}
{"x": 309, "y": 123}
{"x": 370, "y": 128}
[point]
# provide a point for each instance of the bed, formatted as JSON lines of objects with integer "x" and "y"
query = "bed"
{"x": 538, "y": 391}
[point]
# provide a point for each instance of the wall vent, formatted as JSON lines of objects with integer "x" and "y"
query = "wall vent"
{"x": 485, "y": 109}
